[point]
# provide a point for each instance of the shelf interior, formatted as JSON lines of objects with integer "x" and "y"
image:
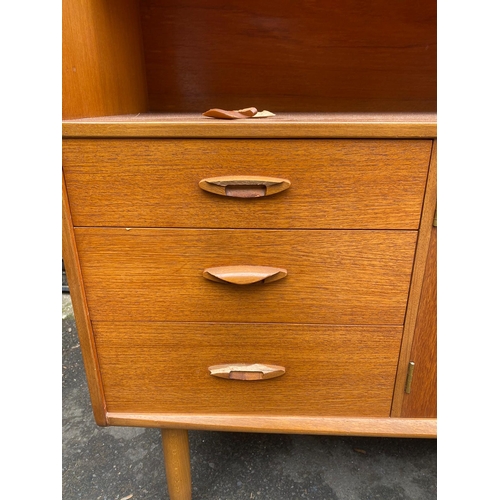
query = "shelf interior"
{"x": 128, "y": 57}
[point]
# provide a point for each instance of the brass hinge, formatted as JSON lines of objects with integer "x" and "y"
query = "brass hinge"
{"x": 409, "y": 376}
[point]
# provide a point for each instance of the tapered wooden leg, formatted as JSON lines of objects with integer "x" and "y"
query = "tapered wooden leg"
{"x": 177, "y": 463}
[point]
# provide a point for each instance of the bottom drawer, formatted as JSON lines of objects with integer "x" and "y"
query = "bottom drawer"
{"x": 330, "y": 370}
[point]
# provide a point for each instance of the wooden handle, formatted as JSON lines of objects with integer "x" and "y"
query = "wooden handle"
{"x": 240, "y": 371}
{"x": 244, "y": 186}
{"x": 244, "y": 275}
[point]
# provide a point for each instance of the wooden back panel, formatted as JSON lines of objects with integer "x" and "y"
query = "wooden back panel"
{"x": 290, "y": 56}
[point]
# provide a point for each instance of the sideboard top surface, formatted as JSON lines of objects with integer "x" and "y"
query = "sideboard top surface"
{"x": 319, "y": 125}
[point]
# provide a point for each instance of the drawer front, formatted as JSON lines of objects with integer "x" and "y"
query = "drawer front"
{"x": 345, "y": 184}
{"x": 334, "y": 276}
{"x": 161, "y": 367}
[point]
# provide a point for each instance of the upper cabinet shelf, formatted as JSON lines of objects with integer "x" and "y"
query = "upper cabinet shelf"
{"x": 125, "y": 57}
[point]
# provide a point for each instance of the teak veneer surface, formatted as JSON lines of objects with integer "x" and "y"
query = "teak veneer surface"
{"x": 422, "y": 399}
{"x": 283, "y": 125}
{"x": 163, "y": 367}
{"x": 417, "y": 280}
{"x": 357, "y": 184}
{"x": 342, "y": 277}
{"x": 339, "y": 426}
{"x": 296, "y": 56}
{"x": 103, "y": 60}
{"x": 80, "y": 308}
{"x": 376, "y": 119}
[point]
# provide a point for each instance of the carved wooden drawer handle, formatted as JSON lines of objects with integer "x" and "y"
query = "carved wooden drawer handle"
{"x": 244, "y": 186}
{"x": 240, "y": 371}
{"x": 244, "y": 275}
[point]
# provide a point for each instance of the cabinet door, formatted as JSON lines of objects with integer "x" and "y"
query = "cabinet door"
{"x": 421, "y": 402}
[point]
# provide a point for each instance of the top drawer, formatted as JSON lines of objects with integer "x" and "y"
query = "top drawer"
{"x": 345, "y": 184}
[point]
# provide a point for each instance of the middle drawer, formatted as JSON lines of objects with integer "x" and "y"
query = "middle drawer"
{"x": 333, "y": 276}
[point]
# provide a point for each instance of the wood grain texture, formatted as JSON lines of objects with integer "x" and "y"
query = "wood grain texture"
{"x": 80, "y": 309}
{"x": 163, "y": 368}
{"x": 360, "y": 184}
{"x": 177, "y": 463}
{"x": 340, "y": 426}
{"x": 282, "y": 56}
{"x": 341, "y": 277}
{"x": 283, "y": 125}
{"x": 417, "y": 280}
{"x": 102, "y": 63}
{"x": 422, "y": 400}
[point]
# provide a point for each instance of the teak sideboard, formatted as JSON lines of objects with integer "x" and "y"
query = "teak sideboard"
{"x": 265, "y": 274}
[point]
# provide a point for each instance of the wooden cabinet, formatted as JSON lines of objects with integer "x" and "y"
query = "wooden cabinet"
{"x": 421, "y": 399}
{"x": 324, "y": 349}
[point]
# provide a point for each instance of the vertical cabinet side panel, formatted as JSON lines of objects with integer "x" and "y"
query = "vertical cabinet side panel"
{"x": 103, "y": 71}
{"x": 79, "y": 302}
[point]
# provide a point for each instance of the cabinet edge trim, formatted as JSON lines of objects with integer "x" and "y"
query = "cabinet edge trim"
{"x": 340, "y": 426}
